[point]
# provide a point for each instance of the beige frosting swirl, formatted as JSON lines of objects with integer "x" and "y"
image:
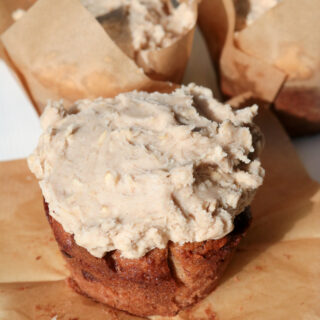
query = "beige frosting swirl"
{"x": 133, "y": 172}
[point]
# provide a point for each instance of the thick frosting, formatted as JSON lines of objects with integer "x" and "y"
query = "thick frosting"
{"x": 152, "y": 23}
{"x": 138, "y": 170}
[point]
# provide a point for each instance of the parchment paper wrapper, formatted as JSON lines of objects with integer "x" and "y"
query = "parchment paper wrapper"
{"x": 275, "y": 274}
{"x": 61, "y": 51}
{"x": 6, "y": 20}
{"x": 277, "y": 57}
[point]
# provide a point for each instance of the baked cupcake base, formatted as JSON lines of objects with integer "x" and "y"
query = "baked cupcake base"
{"x": 299, "y": 110}
{"x": 162, "y": 282}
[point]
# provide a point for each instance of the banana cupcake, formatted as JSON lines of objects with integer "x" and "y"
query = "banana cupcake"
{"x": 154, "y": 33}
{"x": 148, "y": 194}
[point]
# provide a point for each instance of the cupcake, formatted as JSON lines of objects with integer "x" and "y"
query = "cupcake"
{"x": 267, "y": 47}
{"x": 142, "y": 28}
{"x": 287, "y": 47}
{"x": 148, "y": 194}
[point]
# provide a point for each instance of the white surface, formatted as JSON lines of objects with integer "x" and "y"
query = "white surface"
{"x": 309, "y": 152}
{"x": 19, "y": 122}
{"x": 20, "y": 129}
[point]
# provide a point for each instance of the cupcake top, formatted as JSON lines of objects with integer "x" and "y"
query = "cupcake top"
{"x": 133, "y": 172}
{"x": 152, "y": 23}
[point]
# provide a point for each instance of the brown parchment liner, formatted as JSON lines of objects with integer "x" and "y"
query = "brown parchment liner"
{"x": 275, "y": 274}
{"x": 72, "y": 57}
{"x": 6, "y": 20}
{"x": 277, "y": 57}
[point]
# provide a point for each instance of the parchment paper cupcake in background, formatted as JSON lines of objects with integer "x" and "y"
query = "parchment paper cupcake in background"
{"x": 270, "y": 48}
{"x": 77, "y": 59}
{"x": 148, "y": 194}
{"x": 142, "y": 28}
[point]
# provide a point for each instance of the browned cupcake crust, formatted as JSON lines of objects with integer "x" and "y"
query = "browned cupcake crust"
{"x": 162, "y": 282}
{"x": 299, "y": 110}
